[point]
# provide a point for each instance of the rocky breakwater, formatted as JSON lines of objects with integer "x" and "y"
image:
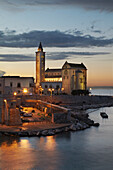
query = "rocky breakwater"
{"x": 78, "y": 122}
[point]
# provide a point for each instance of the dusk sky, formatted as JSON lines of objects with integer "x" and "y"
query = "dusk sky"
{"x": 70, "y": 30}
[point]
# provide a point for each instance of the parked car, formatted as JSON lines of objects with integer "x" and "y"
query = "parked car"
{"x": 22, "y": 113}
{"x": 27, "y": 114}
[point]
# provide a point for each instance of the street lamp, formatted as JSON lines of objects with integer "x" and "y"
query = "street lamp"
{"x": 51, "y": 90}
{"x": 25, "y": 90}
{"x": 41, "y": 89}
{"x": 62, "y": 89}
{"x": 6, "y": 111}
{"x": 15, "y": 93}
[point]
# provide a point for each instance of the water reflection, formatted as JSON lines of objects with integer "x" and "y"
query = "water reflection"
{"x": 83, "y": 150}
{"x": 24, "y": 143}
{"x": 50, "y": 143}
{"x": 16, "y": 154}
{"x": 9, "y": 140}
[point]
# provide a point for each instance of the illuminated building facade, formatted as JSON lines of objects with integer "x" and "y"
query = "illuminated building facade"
{"x": 17, "y": 84}
{"x": 40, "y": 66}
{"x": 70, "y": 77}
{"x": 74, "y": 77}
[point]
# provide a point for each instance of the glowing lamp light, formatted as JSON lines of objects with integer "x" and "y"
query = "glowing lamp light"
{"x": 15, "y": 93}
{"x": 25, "y": 90}
{"x": 5, "y": 100}
{"x": 51, "y": 89}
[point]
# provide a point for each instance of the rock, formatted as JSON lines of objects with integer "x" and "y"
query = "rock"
{"x": 73, "y": 127}
{"x": 44, "y": 132}
{"x": 96, "y": 124}
{"x": 23, "y": 134}
{"x": 50, "y": 133}
{"x": 37, "y": 133}
{"x": 66, "y": 129}
{"x": 58, "y": 130}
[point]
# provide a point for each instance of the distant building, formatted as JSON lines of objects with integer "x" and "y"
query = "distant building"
{"x": 11, "y": 84}
{"x": 74, "y": 77}
{"x": 40, "y": 66}
{"x": 68, "y": 78}
{"x": 2, "y": 85}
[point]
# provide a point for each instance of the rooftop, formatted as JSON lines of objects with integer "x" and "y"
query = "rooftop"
{"x": 53, "y": 70}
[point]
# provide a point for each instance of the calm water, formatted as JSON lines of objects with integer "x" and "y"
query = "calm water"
{"x": 91, "y": 149}
{"x": 102, "y": 92}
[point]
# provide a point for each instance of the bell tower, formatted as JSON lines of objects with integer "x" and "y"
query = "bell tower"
{"x": 40, "y": 66}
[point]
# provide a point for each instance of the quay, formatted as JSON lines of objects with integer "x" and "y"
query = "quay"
{"x": 67, "y": 115}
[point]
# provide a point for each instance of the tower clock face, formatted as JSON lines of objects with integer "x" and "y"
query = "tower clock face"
{"x": 65, "y": 72}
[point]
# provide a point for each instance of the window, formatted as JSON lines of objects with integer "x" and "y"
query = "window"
{"x": 46, "y": 86}
{"x": 64, "y": 77}
{"x": 30, "y": 85}
{"x": 0, "y": 92}
{"x": 18, "y": 85}
{"x": 67, "y": 77}
{"x": 81, "y": 81}
{"x": 57, "y": 87}
{"x": 0, "y": 84}
{"x": 11, "y": 84}
{"x": 50, "y": 86}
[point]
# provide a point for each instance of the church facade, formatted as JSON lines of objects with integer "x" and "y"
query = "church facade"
{"x": 63, "y": 80}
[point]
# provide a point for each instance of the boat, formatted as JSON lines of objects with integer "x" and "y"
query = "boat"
{"x": 103, "y": 115}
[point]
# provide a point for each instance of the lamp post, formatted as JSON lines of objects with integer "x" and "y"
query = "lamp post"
{"x": 6, "y": 112}
{"x": 25, "y": 91}
{"x": 41, "y": 89}
{"x": 62, "y": 89}
{"x": 51, "y": 91}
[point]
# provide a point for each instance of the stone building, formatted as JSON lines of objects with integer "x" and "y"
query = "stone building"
{"x": 40, "y": 66}
{"x": 11, "y": 84}
{"x": 2, "y": 85}
{"x": 70, "y": 77}
{"x": 74, "y": 77}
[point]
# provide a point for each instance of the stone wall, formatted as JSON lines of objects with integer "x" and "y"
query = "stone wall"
{"x": 1, "y": 108}
{"x": 14, "y": 117}
{"x": 78, "y": 100}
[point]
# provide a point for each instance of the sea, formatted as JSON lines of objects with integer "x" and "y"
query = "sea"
{"x": 90, "y": 149}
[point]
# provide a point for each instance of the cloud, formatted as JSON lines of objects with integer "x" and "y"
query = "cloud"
{"x": 49, "y": 56}
{"x": 67, "y": 55}
{"x": 102, "y": 5}
{"x": 2, "y": 73}
{"x": 50, "y": 39}
{"x": 15, "y": 58}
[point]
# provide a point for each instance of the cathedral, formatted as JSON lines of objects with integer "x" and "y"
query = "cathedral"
{"x": 63, "y": 80}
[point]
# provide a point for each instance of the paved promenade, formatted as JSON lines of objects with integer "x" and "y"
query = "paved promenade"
{"x": 33, "y": 126}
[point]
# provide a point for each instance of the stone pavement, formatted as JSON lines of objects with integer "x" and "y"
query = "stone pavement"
{"x": 31, "y": 126}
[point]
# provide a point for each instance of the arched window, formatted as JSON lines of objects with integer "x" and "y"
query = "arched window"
{"x": 57, "y": 87}
{"x": 50, "y": 86}
{"x": 18, "y": 85}
{"x": 46, "y": 86}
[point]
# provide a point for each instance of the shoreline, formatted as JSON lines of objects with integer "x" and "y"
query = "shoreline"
{"x": 78, "y": 122}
